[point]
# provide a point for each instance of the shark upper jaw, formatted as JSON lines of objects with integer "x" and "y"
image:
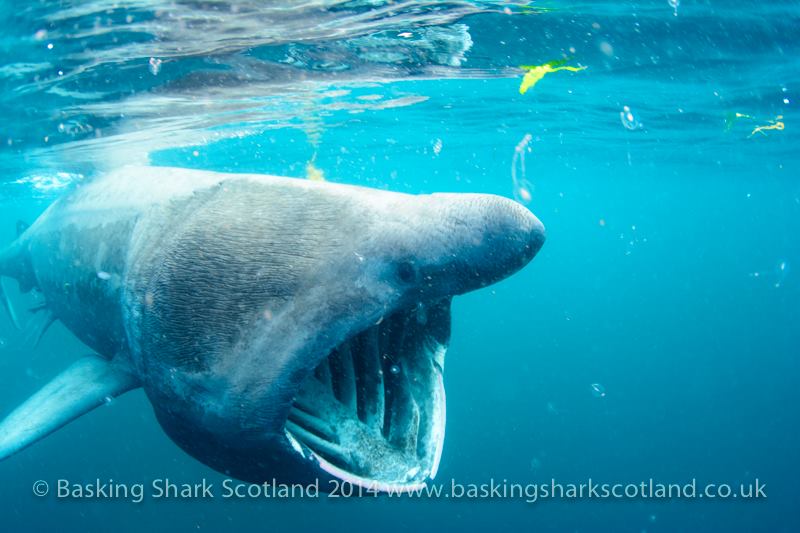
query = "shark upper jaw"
{"x": 372, "y": 413}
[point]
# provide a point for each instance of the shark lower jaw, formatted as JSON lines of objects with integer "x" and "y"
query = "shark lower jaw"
{"x": 372, "y": 413}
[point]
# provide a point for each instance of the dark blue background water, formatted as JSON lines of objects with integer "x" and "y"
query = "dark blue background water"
{"x": 669, "y": 278}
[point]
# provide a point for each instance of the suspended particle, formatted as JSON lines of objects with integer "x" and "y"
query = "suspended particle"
{"x": 422, "y": 314}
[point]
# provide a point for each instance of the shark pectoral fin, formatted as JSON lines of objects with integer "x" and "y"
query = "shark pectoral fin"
{"x": 7, "y": 305}
{"x": 49, "y": 319}
{"x": 87, "y": 383}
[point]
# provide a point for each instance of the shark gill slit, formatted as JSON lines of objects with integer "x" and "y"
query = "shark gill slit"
{"x": 366, "y": 383}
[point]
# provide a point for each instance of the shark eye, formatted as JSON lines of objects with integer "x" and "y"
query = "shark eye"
{"x": 406, "y": 272}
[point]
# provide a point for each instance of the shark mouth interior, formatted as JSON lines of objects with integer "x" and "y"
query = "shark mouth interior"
{"x": 373, "y": 412}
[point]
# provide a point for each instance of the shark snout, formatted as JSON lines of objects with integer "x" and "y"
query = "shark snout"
{"x": 509, "y": 238}
{"x": 524, "y": 233}
{"x": 488, "y": 238}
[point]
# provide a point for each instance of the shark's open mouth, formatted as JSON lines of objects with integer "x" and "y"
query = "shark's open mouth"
{"x": 373, "y": 412}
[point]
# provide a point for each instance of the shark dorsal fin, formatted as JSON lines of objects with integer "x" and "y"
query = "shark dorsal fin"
{"x": 87, "y": 383}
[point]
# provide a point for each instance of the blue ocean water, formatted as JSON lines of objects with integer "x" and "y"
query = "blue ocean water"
{"x": 654, "y": 336}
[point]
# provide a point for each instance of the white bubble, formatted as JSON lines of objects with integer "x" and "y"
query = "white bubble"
{"x": 674, "y": 5}
{"x": 394, "y": 369}
{"x": 629, "y": 119}
{"x": 522, "y": 192}
{"x": 782, "y": 271}
{"x": 598, "y": 391}
{"x": 523, "y": 189}
{"x": 155, "y": 66}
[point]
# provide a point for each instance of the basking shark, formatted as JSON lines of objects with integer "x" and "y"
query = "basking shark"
{"x": 281, "y": 328}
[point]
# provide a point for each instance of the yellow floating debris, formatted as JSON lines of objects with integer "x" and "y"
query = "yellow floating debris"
{"x": 776, "y": 124}
{"x": 537, "y": 72}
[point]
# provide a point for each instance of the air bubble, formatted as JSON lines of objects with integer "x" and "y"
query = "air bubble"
{"x": 782, "y": 271}
{"x": 674, "y": 5}
{"x": 522, "y": 192}
{"x": 598, "y": 391}
{"x": 629, "y": 120}
{"x": 394, "y": 369}
{"x": 154, "y": 66}
{"x": 523, "y": 189}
